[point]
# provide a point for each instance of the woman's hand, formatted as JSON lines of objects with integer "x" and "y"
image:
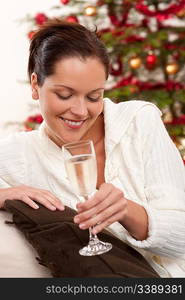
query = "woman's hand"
{"x": 29, "y": 195}
{"x": 107, "y": 206}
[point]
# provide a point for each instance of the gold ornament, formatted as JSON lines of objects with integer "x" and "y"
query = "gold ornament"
{"x": 172, "y": 68}
{"x": 135, "y": 62}
{"x": 90, "y": 11}
{"x": 180, "y": 144}
{"x": 181, "y": 13}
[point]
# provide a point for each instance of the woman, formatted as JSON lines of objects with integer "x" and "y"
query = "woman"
{"x": 141, "y": 183}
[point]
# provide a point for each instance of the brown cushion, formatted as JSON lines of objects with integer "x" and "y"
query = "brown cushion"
{"x": 57, "y": 241}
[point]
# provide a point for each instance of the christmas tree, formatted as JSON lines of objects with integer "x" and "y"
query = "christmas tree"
{"x": 146, "y": 44}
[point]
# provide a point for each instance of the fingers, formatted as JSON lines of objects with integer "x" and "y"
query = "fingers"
{"x": 107, "y": 206}
{"x": 95, "y": 207}
{"x": 114, "y": 218}
{"x": 28, "y": 201}
{"x": 47, "y": 199}
{"x": 104, "y": 218}
{"x": 42, "y": 200}
{"x": 29, "y": 195}
{"x": 103, "y": 193}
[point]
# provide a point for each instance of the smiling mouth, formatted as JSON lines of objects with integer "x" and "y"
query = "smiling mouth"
{"x": 73, "y": 124}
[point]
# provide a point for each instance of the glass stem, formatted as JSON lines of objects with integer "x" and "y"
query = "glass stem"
{"x": 91, "y": 235}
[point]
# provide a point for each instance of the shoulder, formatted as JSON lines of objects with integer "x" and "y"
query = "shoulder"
{"x": 12, "y": 147}
{"x": 15, "y": 140}
{"x": 10, "y": 144}
{"x": 132, "y": 107}
{"x": 13, "y": 156}
{"x": 129, "y": 117}
{"x": 124, "y": 114}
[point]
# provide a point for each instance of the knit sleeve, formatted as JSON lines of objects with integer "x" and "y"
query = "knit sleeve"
{"x": 164, "y": 174}
{"x": 12, "y": 160}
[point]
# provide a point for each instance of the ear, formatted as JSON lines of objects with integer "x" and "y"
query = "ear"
{"x": 34, "y": 86}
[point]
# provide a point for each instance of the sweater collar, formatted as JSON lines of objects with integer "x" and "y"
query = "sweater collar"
{"x": 47, "y": 144}
{"x": 117, "y": 118}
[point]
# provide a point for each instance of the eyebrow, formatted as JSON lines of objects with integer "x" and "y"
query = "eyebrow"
{"x": 65, "y": 86}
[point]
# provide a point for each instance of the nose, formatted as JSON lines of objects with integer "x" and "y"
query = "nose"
{"x": 79, "y": 107}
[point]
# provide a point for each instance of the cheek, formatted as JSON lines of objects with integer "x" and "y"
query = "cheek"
{"x": 45, "y": 106}
{"x": 51, "y": 106}
{"x": 97, "y": 109}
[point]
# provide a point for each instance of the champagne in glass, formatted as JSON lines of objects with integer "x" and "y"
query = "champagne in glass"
{"x": 81, "y": 168}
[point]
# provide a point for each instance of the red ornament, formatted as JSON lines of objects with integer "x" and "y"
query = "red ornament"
{"x": 32, "y": 122}
{"x": 64, "y": 1}
{"x": 40, "y": 18}
{"x": 72, "y": 19}
{"x": 38, "y": 119}
{"x": 151, "y": 61}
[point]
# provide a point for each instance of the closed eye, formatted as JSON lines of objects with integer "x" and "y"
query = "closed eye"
{"x": 93, "y": 99}
{"x": 63, "y": 97}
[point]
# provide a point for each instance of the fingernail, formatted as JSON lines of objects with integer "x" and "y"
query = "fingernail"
{"x": 52, "y": 207}
{"x": 82, "y": 225}
{"x": 61, "y": 207}
{"x": 36, "y": 206}
{"x": 76, "y": 219}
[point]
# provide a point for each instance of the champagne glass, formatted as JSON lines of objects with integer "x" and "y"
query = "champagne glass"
{"x": 81, "y": 168}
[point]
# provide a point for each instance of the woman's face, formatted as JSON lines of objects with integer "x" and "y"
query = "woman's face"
{"x": 71, "y": 99}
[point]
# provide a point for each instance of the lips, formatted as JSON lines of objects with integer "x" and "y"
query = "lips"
{"x": 72, "y": 123}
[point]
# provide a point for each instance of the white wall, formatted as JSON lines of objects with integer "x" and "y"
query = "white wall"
{"x": 16, "y": 103}
{"x": 15, "y": 97}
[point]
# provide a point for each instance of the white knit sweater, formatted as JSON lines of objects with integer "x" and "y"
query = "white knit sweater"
{"x": 141, "y": 160}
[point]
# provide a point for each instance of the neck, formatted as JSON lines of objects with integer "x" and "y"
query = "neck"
{"x": 97, "y": 133}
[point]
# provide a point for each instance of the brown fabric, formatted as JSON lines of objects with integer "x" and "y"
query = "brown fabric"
{"x": 57, "y": 241}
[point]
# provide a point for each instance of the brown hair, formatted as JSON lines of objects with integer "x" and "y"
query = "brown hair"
{"x": 57, "y": 39}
